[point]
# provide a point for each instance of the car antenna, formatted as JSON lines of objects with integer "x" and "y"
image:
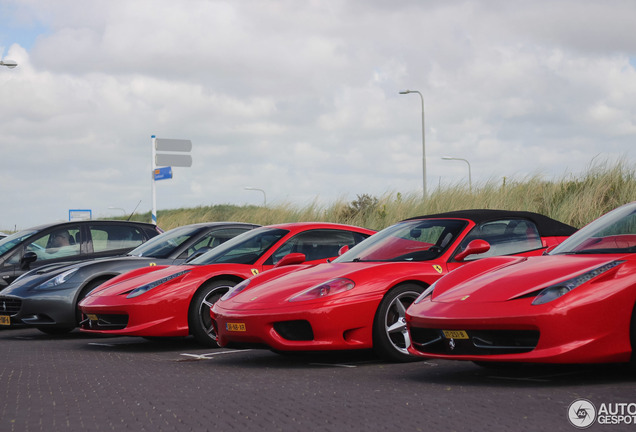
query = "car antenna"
{"x": 133, "y": 212}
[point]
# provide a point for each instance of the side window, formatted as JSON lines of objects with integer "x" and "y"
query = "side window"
{"x": 57, "y": 244}
{"x": 506, "y": 237}
{"x": 316, "y": 244}
{"x": 113, "y": 237}
{"x": 212, "y": 240}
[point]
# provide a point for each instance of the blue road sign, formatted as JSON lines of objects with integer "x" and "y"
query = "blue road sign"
{"x": 163, "y": 173}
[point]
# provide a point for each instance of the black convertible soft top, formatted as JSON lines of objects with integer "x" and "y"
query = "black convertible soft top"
{"x": 546, "y": 225}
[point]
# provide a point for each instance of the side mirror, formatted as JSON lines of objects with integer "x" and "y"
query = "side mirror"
{"x": 476, "y": 246}
{"x": 343, "y": 250}
{"x": 290, "y": 259}
{"x": 27, "y": 259}
{"x": 549, "y": 249}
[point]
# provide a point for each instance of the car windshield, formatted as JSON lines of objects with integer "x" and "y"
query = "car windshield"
{"x": 162, "y": 246}
{"x": 612, "y": 233}
{"x": 245, "y": 248}
{"x": 9, "y": 242}
{"x": 413, "y": 240}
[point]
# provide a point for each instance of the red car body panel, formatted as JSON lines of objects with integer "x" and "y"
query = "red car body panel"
{"x": 163, "y": 310}
{"x": 497, "y": 299}
{"x": 340, "y": 321}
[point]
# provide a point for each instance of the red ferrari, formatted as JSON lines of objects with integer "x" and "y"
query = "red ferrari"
{"x": 175, "y": 300}
{"x": 573, "y": 305}
{"x": 358, "y": 301}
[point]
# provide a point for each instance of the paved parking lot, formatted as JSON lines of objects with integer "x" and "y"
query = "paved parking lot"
{"x": 80, "y": 382}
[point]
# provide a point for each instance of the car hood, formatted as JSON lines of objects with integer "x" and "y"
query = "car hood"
{"x": 278, "y": 290}
{"x": 42, "y": 274}
{"x": 166, "y": 275}
{"x": 517, "y": 278}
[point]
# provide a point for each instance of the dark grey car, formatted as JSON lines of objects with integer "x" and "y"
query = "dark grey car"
{"x": 47, "y": 298}
{"x": 68, "y": 242}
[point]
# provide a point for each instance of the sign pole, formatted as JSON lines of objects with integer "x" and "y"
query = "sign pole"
{"x": 152, "y": 179}
{"x": 177, "y": 157}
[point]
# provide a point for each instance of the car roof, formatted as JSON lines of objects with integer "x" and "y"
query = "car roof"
{"x": 324, "y": 225}
{"x": 545, "y": 225}
{"x": 84, "y": 222}
{"x": 219, "y": 224}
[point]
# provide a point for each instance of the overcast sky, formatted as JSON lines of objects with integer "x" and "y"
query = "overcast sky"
{"x": 301, "y": 98}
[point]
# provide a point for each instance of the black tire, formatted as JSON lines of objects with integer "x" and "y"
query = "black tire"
{"x": 199, "y": 314}
{"x": 390, "y": 337}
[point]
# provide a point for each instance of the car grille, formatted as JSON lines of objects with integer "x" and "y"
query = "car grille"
{"x": 104, "y": 322}
{"x": 10, "y": 305}
{"x": 299, "y": 330}
{"x": 479, "y": 342}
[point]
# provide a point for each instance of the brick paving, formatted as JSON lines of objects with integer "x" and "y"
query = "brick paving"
{"x": 79, "y": 382}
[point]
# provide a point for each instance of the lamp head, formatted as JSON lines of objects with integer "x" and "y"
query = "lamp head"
{"x": 8, "y": 63}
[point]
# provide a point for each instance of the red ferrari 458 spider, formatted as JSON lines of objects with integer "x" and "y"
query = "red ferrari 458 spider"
{"x": 358, "y": 301}
{"x": 175, "y": 300}
{"x": 573, "y": 305}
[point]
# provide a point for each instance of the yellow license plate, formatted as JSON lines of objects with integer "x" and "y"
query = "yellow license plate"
{"x": 235, "y": 327}
{"x": 455, "y": 334}
{"x": 5, "y": 320}
{"x": 92, "y": 317}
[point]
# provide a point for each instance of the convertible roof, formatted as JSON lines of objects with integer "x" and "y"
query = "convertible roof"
{"x": 546, "y": 225}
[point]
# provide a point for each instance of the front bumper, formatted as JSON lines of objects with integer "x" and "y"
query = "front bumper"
{"x": 299, "y": 327}
{"x": 515, "y": 331}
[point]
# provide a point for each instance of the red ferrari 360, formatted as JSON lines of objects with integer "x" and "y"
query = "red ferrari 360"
{"x": 175, "y": 300}
{"x": 358, "y": 301}
{"x": 574, "y": 305}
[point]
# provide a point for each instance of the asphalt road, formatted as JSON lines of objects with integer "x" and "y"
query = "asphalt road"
{"x": 80, "y": 382}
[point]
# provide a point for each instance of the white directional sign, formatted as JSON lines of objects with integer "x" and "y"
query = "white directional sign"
{"x": 175, "y": 145}
{"x": 177, "y": 160}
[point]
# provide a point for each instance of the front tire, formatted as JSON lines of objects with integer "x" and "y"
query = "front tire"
{"x": 199, "y": 314}
{"x": 390, "y": 336}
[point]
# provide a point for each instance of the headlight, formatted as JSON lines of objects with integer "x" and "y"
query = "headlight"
{"x": 557, "y": 290}
{"x": 331, "y": 287}
{"x": 58, "y": 280}
{"x": 427, "y": 292}
{"x": 147, "y": 287}
{"x": 235, "y": 290}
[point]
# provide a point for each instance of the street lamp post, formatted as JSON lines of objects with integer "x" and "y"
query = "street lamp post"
{"x": 470, "y": 181}
{"x": 260, "y": 190}
{"x": 423, "y": 141}
{"x": 8, "y": 63}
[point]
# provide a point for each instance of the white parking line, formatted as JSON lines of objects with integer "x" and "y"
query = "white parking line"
{"x": 102, "y": 344}
{"x": 208, "y": 356}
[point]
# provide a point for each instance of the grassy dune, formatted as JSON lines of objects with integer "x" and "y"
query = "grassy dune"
{"x": 574, "y": 200}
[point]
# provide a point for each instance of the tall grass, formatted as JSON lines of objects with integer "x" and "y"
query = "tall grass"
{"x": 573, "y": 200}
